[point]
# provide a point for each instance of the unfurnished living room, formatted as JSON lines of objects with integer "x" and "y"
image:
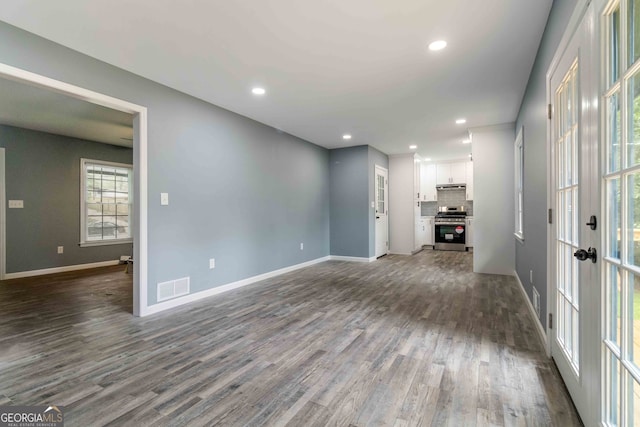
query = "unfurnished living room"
{"x": 356, "y": 213}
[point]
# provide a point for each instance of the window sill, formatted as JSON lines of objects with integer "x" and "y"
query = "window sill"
{"x": 106, "y": 243}
{"x": 519, "y": 237}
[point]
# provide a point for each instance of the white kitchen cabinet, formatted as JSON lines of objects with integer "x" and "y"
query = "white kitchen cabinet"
{"x": 420, "y": 237}
{"x": 451, "y": 173}
{"x": 428, "y": 183}
{"x": 428, "y": 231}
{"x": 469, "y": 232}
{"x": 416, "y": 179}
{"x": 469, "y": 180}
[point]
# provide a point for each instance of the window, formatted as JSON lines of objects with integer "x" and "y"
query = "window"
{"x": 519, "y": 186}
{"x": 105, "y": 203}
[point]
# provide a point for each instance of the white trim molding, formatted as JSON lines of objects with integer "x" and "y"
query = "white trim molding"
{"x": 63, "y": 269}
{"x": 157, "y": 308}
{"x": 351, "y": 258}
{"x": 139, "y": 164}
{"x": 534, "y": 317}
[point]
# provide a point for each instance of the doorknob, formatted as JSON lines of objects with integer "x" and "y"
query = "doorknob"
{"x": 583, "y": 255}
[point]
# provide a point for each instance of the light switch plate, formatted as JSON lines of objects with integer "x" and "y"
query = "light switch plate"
{"x": 212, "y": 263}
{"x": 164, "y": 199}
{"x": 16, "y": 204}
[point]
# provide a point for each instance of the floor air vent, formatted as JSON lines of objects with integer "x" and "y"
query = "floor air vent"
{"x": 173, "y": 289}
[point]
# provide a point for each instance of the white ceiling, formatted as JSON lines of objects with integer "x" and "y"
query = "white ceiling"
{"x": 34, "y": 108}
{"x": 329, "y": 67}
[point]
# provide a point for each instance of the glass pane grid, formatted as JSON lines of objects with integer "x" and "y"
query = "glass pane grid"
{"x": 108, "y": 206}
{"x": 567, "y": 236}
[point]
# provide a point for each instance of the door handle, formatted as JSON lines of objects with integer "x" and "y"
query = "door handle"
{"x": 583, "y": 255}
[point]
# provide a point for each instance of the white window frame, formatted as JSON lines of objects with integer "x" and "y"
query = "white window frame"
{"x": 83, "y": 209}
{"x": 518, "y": 152}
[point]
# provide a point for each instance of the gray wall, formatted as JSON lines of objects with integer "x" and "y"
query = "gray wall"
{"x": 532, "y": 254}
{"x": 375, "y": 158}
{"x": 239, "y": 191}
{"x": 349, "y": 183}
{"x": 493, "y": 240}
{"x": 44, "y": 170}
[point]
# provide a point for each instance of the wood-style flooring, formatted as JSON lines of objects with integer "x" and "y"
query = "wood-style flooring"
{"x": 403, "y": 341}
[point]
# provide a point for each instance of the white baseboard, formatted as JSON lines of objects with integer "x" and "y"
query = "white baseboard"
{"x": 166, "y": 305}
{"x": 401, "y": 253}
{"x": 351, "y": 258}
{"x": 532, "y": 312}
{"x": 63, "y": 269}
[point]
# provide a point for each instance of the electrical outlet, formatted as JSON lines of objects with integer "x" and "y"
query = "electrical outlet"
{"x": 302, "y": 246}
{"x": 16, "y": 204}
{"x": 60, "y": 249}
{"x": 530, "y": 276}
{"x": 164, "y": 199}
{"x": 212, "y": 263}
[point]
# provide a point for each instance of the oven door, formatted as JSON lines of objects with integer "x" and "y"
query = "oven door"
{"x": 450, "y": 236}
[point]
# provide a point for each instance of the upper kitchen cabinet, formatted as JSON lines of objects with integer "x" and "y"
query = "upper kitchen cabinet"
{"x": 451, "y": 173}
{"x": 469, "y": 180}
{"x": 428, "y": 183}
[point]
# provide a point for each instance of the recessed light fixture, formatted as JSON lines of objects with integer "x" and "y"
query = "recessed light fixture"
{"x": 466, "y": 141}
{"x": 461, "y": 121}
{"x": 413, "y": 147}
{"x": 428, "y": 159}
{"x": 346, "y": 136}
{"x": 258, "y": 91}
{"x": 437, "y": 45}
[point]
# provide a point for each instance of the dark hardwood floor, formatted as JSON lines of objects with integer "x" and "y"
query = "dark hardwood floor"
{"x": 402, "y": 341}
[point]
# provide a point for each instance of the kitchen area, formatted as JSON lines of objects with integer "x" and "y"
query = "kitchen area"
{"x": 443, "y": 205}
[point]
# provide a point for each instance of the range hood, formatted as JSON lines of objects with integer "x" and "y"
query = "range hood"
{"x": 451, "y": 187}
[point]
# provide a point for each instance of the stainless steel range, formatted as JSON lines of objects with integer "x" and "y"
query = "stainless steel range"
{"x": 449, "y": 231}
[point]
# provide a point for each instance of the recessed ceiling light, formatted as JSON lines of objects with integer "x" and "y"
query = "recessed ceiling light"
{"x": 346, "y": 136}
{"x": 466, "y": 141}
{"x": 258, "y": 91}
{"x": 437, "y": 45}
{"x": 428, "y": 159}
{"x": 461, "y": 121}
{"x": 413, "y": 147}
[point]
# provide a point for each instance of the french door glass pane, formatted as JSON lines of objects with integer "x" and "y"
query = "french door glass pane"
{"x": 634, "y": 401}
{"x": 633, "y": 218}
{"x": 613, "y": 218}
{"x": 561, "y": 216}
{"x": 614, "y": 46}
{"x": 613, "y": 402}
{"x": 633, "y": 30}
{"x": 613, "y": 146}
{"x": 569, "y": 215}
{"x": 633, "y": 137}
{"x": 634, "y": 318}
{"x": 614, "y": 319}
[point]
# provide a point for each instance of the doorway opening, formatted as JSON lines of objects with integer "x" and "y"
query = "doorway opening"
{"x": 110, "y": 220}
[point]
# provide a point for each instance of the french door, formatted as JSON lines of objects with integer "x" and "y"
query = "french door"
{"x": 621, "y": 186}
{"x": 382, "y": 221}
{"x": 573, "y": 299}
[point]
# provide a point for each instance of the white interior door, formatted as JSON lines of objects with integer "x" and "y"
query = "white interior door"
{"x": 574, "y": 340}
{"x": 382, "y": 219}
{"x": 621, "y": 184}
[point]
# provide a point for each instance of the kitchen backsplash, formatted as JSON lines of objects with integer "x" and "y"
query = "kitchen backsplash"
{"x": 447, "y": 198}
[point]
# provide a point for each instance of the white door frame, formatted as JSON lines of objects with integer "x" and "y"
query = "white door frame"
{"x": 386, "y": 205}
{"x": 139, "y": 169}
